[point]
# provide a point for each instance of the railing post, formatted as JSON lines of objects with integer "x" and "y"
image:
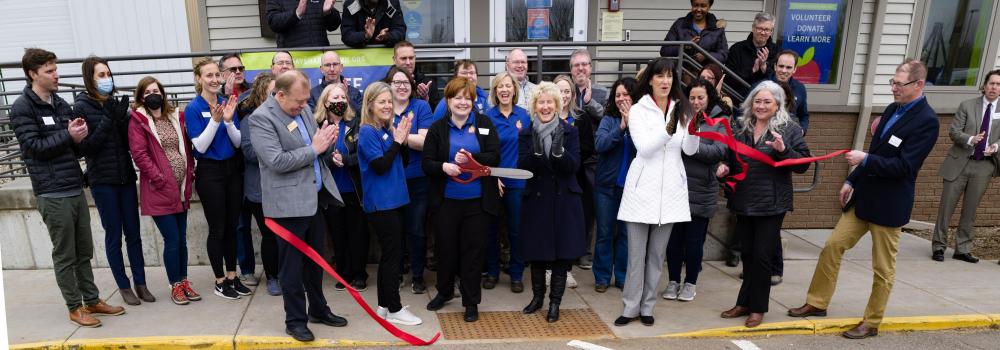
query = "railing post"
{"x": 538, "y": 56}
{"x": 678, "y": 77}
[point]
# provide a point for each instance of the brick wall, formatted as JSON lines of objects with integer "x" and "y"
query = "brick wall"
{"x": 832, "y": 131}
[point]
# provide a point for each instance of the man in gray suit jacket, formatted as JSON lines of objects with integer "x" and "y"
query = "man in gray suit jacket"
{"x": 971, "y": 162}
{"x": 295, "y": 187}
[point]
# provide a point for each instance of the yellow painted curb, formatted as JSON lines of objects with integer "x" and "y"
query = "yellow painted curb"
{"x": 206, "y": 342}
{"x": 776, "y": 328}
{"x": 262, "y": 343}
{"x": 836, "y": 325}
{"x": 932, "y": 323}
{"x": 996, "y": 320}
{"x": 39, "y": 345}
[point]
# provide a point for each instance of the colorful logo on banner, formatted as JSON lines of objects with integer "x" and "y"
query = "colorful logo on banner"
{"x": 361, "y": 66}
{"x": 811, "y": 28}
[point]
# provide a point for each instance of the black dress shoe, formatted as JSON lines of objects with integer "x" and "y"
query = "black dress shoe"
{"x": 938, "y": 255}
{"x": 471, "y": 314}
{"x": 967, "y": 257}
{"x": 437, "y": 303}
{"x": 300, "y": 333}
{"x": 646, "y": 320}
{"x": 733, "y": 260}
{"x": 516, "y": 286}
{"x": 622, "y": 320}
{"x": 490, "y": 282}
{"x": 330, "y": 319}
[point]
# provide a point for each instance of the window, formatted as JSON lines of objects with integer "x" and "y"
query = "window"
{"x": 954, "y": 41}
{"x": 429, "y": 22}
{"x": 815, "y": 30}
{"x": 540, "y": 20}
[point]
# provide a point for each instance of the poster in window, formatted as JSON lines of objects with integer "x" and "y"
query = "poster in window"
{"x": 538, "y": 24}
{"x": 812, "y": 29}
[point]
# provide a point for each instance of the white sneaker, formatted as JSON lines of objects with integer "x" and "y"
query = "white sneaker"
{"x": 404, "y": 317}
{"x": 381, "y": 312}
{"x": 670, "y": 293}
{"x": 570, "y": 281}
{"x": 687, "y": 292}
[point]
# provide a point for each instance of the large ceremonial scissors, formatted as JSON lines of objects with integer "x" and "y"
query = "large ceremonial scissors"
{"x": 476, "y": 170}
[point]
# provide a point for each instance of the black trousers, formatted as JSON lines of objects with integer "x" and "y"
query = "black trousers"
{"x": 388, "y": 226}
{"x": 300, "y": 278}
{"x": 220, "y": 188}
{"x": 459, "y": 239}
{"x": 348, "y": 230}
{"x": 686, "y": 248}
{"x": 268, "y": 241}
{"x": 759, "y": 236}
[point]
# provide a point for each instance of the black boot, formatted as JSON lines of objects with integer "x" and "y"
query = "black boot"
{"x": 537, "y": 291}
{"x": 558, "y": 283}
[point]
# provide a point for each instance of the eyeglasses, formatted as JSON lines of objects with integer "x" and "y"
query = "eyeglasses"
{"x": 331, "y": 64}
{"x": 400, "y": 83}
{"x": 283, "y": 63}
{"x": 763, "y": 30}
{"x": 894, "y": 83}
{"x": 237, "y": 69}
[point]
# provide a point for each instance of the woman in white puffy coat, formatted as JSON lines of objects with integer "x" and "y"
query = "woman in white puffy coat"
{"x": 655, "y": 194}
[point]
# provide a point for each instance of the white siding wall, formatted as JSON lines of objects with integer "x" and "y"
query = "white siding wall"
{"x": 861, "y": 54}
{"x": 893, "y": 47}
{"x": 235, "y": 24}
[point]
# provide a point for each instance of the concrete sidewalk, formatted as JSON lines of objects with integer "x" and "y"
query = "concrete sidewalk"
{"x": 928, "y": 295}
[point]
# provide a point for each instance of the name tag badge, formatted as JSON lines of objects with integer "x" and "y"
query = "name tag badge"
{"x": 354, "y": 7}
{"x": 895, "y": 141}
{"x": 292, "y": 126}
{"x": 385, "y": 136}
{"x": 206, "y": 114}
{"x": 484, "y": 131}
{"x": 347, "y": 130}
{"x": 48, "y": 120}
{"x": 996, "y": 115}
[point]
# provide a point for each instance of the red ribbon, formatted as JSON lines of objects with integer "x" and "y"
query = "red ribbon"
{"x": 742, "y": 149}
{"x": 315, "y": 257}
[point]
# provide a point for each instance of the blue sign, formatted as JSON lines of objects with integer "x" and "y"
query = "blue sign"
{"x": 538, "y": 24}
{"x": 537, "y": 4}
{"x": 812, "y": 29}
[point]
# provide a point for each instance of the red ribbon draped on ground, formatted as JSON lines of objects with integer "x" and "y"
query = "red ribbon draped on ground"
{"x": 745, "y": 150}
{"x": 315, "y": 257}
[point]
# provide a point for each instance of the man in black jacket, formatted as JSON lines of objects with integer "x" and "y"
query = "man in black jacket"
{"x": 405, "y": 57}
{"x": 49, "y": 138}
{"x": 753, "y": 59}
{"x": 302, "y": 23}
{"x": 372, "y": 22}
{"x": 331, "y": 67}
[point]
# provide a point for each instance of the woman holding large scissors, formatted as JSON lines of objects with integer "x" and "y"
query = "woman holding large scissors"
{"x": 552, "y": 211}
{"x": 463, "y": 209}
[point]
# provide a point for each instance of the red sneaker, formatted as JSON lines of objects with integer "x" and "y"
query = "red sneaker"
{"x": 177, "y": 295}
{"x": 190, "y": 293}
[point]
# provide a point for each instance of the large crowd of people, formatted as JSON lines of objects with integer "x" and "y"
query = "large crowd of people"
{"x": 328, "y": 162}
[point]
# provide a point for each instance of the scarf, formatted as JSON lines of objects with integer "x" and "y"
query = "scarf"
{"x": 544, "y": 132}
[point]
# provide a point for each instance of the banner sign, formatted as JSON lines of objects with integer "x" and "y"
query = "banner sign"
{"x": 538, "y": 24}
{"x": 812, "y": 29}
{"x": 361, "y": 66}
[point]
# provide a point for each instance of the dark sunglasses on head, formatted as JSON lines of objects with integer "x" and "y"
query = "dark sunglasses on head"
{"x": 237, "y": 69}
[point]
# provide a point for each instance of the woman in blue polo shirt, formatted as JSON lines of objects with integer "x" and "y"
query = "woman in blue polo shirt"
{"x": 215, "y": 134}
{"x": 383, "y": 186}
{"x": 463, "y": 212}
{"x": 407, "y": 104}
{"x": 509, "y": 119}
{"x": 346, "y": 225}
{"x": 613, "y": 158}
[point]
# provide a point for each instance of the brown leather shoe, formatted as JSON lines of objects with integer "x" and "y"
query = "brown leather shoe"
{"x": 754, "y": 320}
{"x": 82, "y": 318}
{"x": 144, "y": 294}
{"x": 861, "y": 331}
{"x": 736, "y": 311}
{"x": 806, "y": 311}
{"x": 129, "y": 296}
{"x": 102, "y": 308}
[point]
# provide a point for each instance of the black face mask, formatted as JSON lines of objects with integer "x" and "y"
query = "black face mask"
{"x": 153, "y": 102}
{"x": 338, "y": 108}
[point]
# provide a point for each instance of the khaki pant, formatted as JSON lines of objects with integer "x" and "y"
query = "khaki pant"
{"x": 850, "y": 229}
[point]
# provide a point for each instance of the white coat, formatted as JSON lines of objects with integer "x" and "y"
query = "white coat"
{"x": 656, "y": 185}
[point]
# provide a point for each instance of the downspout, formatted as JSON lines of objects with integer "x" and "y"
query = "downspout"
{"x": 867, "y": 89}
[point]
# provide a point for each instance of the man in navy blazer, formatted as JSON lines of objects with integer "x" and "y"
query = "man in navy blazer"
{"x": 878, "y": 197}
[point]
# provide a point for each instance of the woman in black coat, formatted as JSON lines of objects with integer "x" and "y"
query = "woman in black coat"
{"x": 111, "y": 176}
{"x": 552, "y": 212}
{"x": 702, "y": 28}
{"x": 462, "y": 212}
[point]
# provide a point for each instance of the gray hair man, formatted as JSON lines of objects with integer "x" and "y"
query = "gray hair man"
{"x": 753, "y": 59}
{"x": 517, "y": 66}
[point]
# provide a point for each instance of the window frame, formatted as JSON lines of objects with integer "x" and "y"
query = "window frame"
{"x": 498, "y": 33}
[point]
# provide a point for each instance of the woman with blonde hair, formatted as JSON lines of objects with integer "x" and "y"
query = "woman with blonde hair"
{"x": 383, "y": 183}
{"x": 573, "y": 115}
{"x": 346, "y": 225}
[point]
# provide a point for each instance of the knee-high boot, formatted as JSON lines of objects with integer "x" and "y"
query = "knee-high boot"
{"x": 558, "y": 284}
{"x": 537, "y": 289}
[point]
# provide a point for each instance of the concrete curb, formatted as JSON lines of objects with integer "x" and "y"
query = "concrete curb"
{"x": 207, "y": 342}
{"x": 834, "y": 326}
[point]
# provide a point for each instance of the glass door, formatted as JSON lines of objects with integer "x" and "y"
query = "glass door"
{"x": 535, "y": 21}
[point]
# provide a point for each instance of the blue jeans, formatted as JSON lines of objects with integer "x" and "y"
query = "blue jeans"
{"x": 118, "y": 206}
{"x": 512, "y": 207}
{"x": 611, "y": 247}
{"x": 414, "y": 220}
{"x": 244, "y": 242}
{"x": 686, "y": 248}
{"x": 173, "y": 228}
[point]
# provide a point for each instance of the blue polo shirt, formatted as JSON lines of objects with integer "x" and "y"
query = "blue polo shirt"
{"x": 340, "y": 174}
{"x": 463, "y": 137}
{"x": 422, "y": 119}
{"x": 388, "y": 190}
{"x": 507, "y": 129}
{"x": 197, "y": 114}
{"x": 481, "y": 104}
